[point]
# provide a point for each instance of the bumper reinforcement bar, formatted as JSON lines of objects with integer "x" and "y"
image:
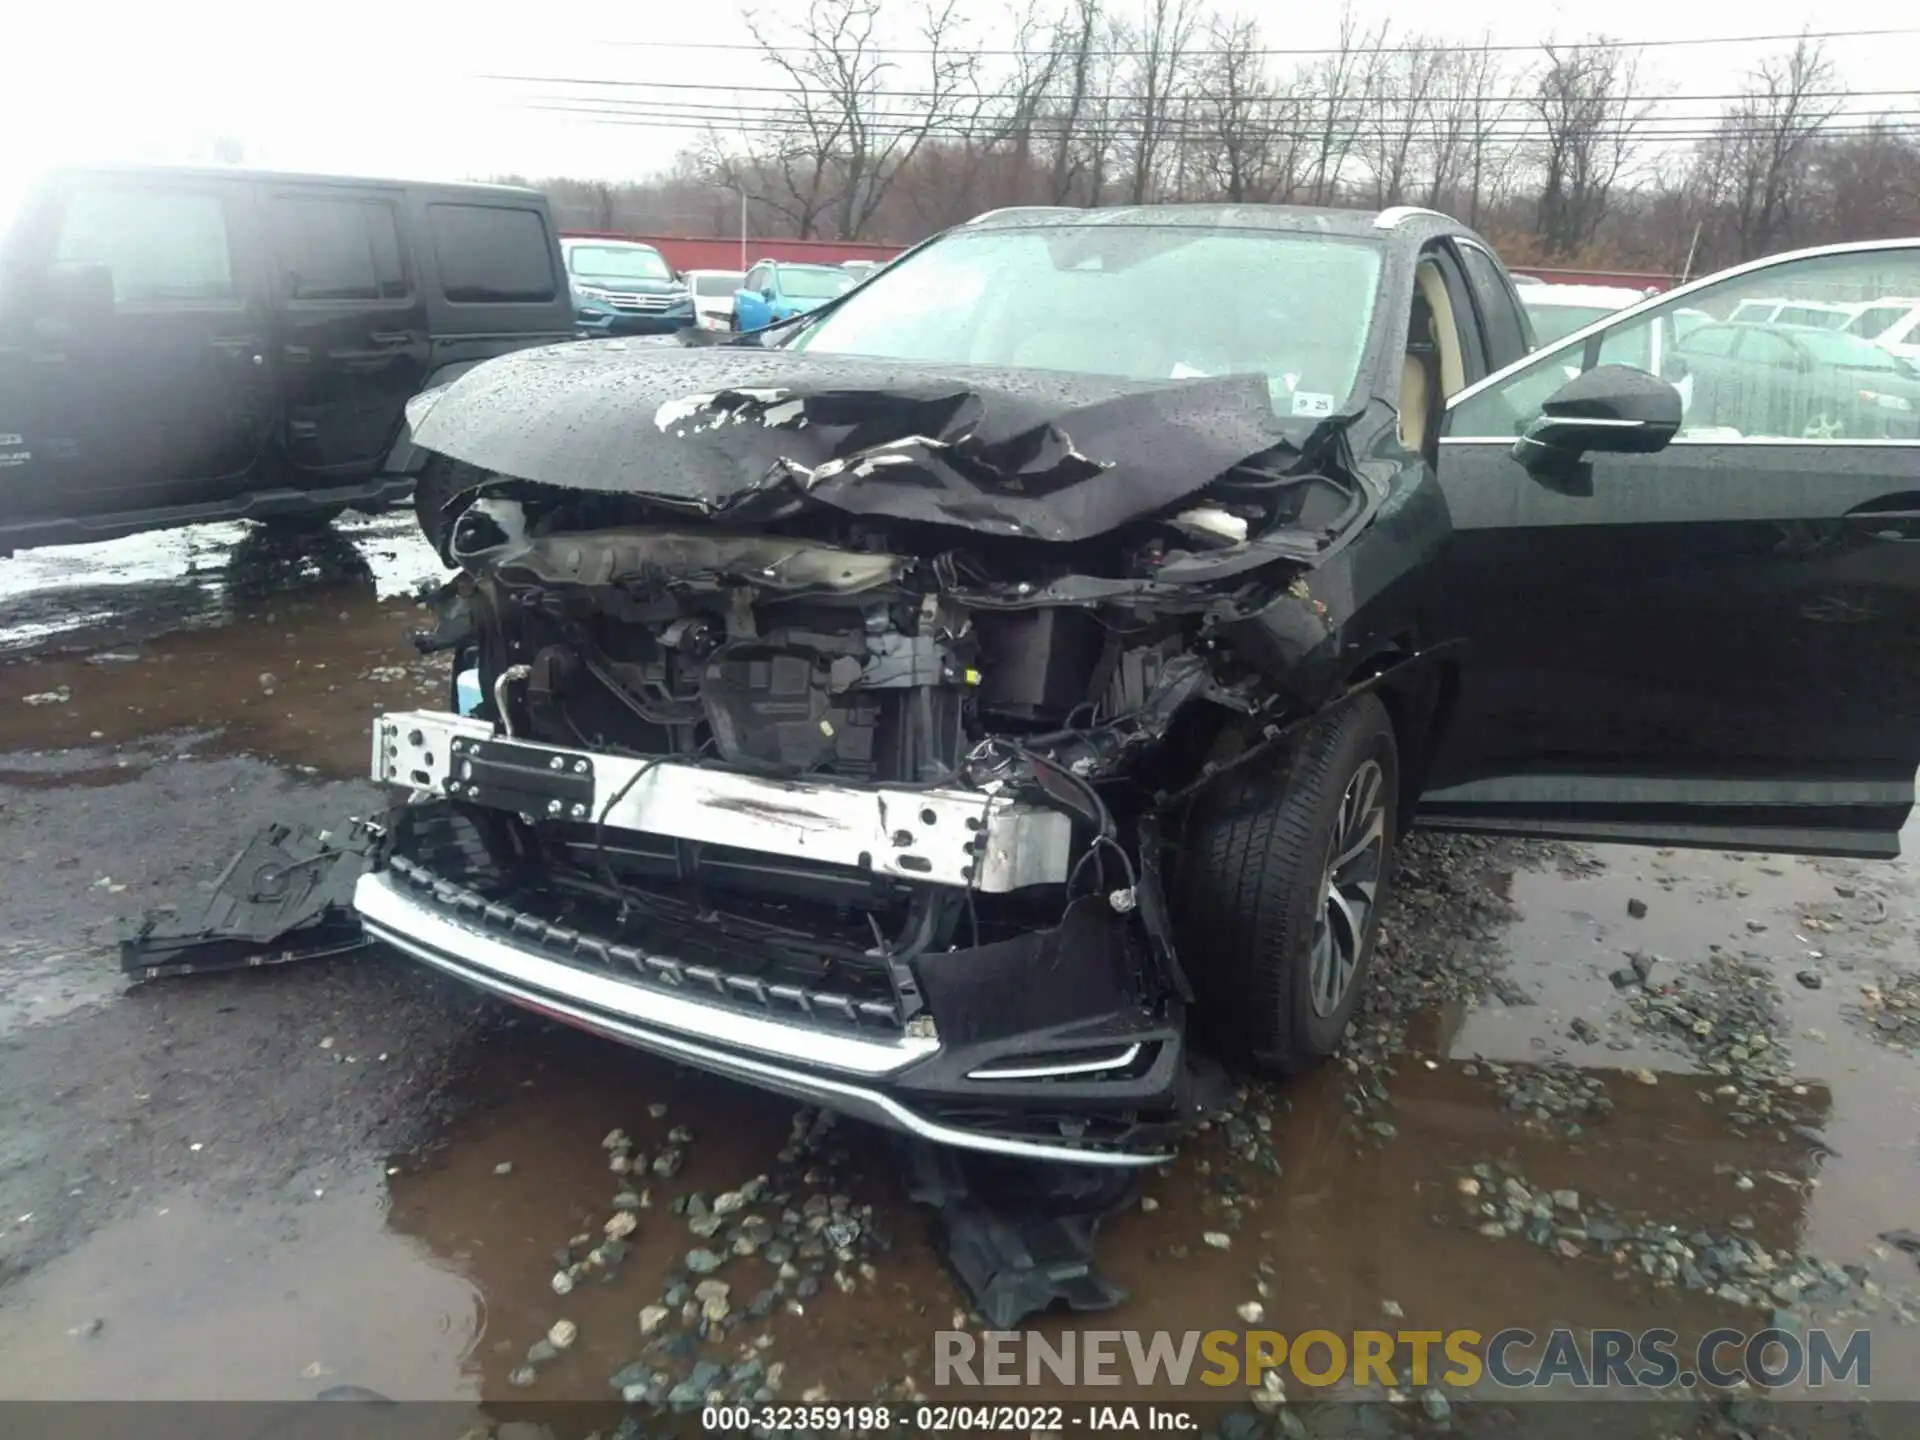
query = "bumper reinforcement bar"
{"x": 957, "y": 837}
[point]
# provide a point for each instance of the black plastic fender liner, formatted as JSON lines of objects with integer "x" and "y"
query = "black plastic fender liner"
{"x": 287, "y": 896}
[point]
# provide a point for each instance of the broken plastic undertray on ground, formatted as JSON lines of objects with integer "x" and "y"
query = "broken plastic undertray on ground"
{"x": 288, "y": 895}
{"x": 1019, "y": 1234}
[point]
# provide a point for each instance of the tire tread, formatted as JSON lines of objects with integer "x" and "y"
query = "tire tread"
{"x": 1250, "y": 884}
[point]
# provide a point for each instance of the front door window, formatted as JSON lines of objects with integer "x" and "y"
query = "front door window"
{"x": 1741, "y": 377}
{"x": 160, "y": 246}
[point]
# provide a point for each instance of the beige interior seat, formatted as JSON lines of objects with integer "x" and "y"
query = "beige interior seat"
{"x": 1413, "y": 402}
{"x": 1416, "y": 419}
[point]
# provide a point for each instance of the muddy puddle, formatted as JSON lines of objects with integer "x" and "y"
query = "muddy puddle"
{"x": 1525, "y": 1053}
{"x": 275, "y": 645}
{"x": 433, "y": 1280}
{"x": 201, "y": 576}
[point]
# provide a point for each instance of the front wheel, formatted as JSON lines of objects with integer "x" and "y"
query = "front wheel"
{"x": 1282, "y": 881}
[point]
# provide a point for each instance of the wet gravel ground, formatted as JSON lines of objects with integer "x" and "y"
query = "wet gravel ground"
{"x": 1590, "y": 1086}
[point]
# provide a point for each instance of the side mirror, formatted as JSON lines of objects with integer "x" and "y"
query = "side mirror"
{"x": 766, "y": 292}
{"x": 78, "y": 294}
{"x": 1614, "y": 409}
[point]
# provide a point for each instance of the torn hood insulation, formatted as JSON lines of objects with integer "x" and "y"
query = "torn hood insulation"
{"x": 1041, "y": 455}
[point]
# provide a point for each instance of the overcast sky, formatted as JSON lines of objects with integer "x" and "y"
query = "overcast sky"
{"x": 395, "y": 88}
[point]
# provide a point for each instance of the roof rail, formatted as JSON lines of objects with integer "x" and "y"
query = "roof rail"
{"x": 1390, "y": 217}
{"x": 1025, "y": 210}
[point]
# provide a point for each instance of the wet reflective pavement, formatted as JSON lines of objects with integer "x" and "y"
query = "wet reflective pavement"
{"x": 263, "y": 1185}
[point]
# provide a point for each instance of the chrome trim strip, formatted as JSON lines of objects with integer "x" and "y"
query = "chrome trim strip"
{"x": 404, "y": 927}
{"x": 1602, "y": 421}
{"x": 1045, "y": 1072}
{"x": 1684, "y": 439}
{"x": 383, "y": 905}
{"x": 1579, "y": 337}
{"x": 1584, "y": 789}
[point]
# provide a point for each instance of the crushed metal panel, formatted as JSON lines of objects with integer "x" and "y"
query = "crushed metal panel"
{"x": 1041, "y": 454}
{"x": 287, "y": 896}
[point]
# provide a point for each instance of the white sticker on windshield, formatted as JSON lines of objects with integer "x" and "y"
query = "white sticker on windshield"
{"x": 1309, "y": 402}
{"x": 1184, "y": 371}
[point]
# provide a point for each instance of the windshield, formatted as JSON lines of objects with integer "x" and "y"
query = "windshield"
{"x": 1556, "y": 322}
{"x": 617, "y": 262}
{"x": 717, "y": 283}
{"x": 1140, "y": 302}
{"x": 813, "y": 282}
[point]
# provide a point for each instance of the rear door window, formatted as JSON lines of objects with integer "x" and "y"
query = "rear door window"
{"x": 337, "y": 249}
{"x": 492, "y": 254}
{"x": 161, "y": 246}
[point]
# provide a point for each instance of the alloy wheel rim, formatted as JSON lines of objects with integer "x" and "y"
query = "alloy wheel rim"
{"x": 1349, "y": 887}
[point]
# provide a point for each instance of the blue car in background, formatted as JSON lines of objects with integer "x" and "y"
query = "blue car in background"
{"x": 777, "y": 290}
{"x": 621, "y": 287}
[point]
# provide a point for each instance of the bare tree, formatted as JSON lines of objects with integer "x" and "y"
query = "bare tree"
{"x": 1471, "y": 98}
{"x": 1403, "y": 81}
{"x": 1071, "y": 105}
{"x": 784, "y": 170}
{"x": 1584, "y": 100}
{"x": 1337, "y": 94}
{"x": 1159, "y": 74}
{"x": 1245, "y": 133}
{"x": 845, "y": 137}
{"x": 1869, "y": 184}
{"x": 1076, "y": 36}
{"x": 1758, "y": 163}
{"x": 1036, "y": 63}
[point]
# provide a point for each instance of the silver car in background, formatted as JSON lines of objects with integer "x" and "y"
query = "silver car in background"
{"x": 713, "y": 297}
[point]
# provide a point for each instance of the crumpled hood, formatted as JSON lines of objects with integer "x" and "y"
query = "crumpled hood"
{"x": 1009, "y": 452}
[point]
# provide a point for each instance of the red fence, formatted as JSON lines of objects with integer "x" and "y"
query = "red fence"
{"x": 685, "y": 252}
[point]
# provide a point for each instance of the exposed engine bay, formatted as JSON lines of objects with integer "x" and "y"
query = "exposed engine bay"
{"x": 867, "y": 752}
{"x": 848, "y": 649}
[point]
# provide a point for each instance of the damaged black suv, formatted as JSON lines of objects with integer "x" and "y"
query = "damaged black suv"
{"x": 944, "y": 705}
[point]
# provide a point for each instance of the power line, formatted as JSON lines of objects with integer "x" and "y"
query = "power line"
{"x": 1464, "y": 48}
{"x": 1177, "y": 113}
{"x": 796, "y": 92}
{"x": 1895, "y": 122}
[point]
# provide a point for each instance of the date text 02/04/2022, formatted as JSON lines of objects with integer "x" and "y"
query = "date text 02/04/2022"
{"x": 936, "y": 1419}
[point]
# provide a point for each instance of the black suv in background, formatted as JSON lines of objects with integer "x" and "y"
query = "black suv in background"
{"x": 180, "y": 345}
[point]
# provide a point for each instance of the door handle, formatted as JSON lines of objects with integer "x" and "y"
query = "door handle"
{"x": 1893, "y": 519}
{"x": 238, "y": 346}
{"x": 390, "y": 339}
